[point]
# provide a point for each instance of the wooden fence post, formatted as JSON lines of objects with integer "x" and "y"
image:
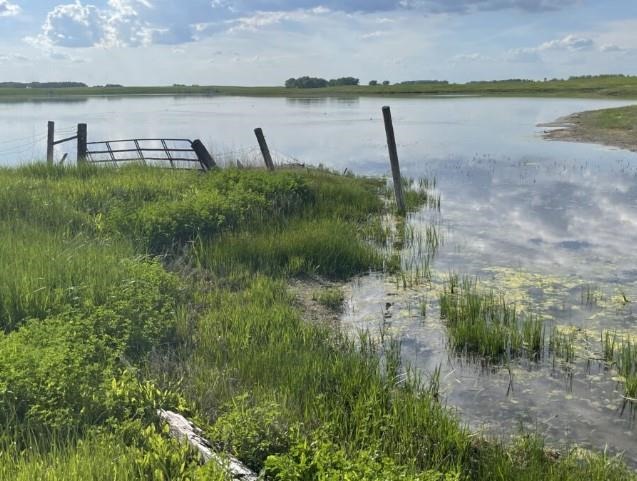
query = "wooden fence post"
{"x": 393, "y": 158}
{"x": 203, "y": 155}
{"x": 263, "y": 145}
{"x": 81, "y": 143}
{"x": 50, "y": 138}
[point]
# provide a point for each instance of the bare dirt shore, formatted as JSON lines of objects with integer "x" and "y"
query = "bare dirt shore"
{"x": 594, "y": 127}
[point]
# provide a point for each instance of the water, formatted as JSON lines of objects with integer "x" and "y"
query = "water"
{"x": 552, "y": 224}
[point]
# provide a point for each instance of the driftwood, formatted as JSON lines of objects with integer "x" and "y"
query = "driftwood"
{"x": 184, "y": 430}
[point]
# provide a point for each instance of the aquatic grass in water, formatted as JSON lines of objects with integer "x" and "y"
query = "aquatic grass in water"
{"x": 484, "y": 324}
{"x": 621, "y": 352}
{"x": 562, "y": 344}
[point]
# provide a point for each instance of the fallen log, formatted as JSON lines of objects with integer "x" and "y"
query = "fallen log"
{"x": 184, "y": 430}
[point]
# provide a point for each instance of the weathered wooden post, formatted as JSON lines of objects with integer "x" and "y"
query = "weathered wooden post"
{"x": 393, "y": 158}
{"x": 203, "y": 155}
{"x": 263, "y": 145}
{"x": 81, "y": 143}
{"x": 50, "y": 139}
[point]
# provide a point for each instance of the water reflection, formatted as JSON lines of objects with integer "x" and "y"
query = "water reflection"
{"x": 545, "y": 231}
{"x": 321, "y": 101}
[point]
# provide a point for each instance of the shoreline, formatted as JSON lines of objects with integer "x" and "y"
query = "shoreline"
{"x": 609, "y": 127}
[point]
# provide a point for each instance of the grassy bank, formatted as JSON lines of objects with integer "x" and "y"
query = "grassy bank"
{"x": 613, "y": 127}
{"x": 601, "y": 87}
{"x": 132, "y": 289}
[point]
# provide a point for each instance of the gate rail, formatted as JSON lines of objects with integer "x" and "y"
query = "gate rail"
{"x": 181, "y": 154}
{"x": 174, "y": 153}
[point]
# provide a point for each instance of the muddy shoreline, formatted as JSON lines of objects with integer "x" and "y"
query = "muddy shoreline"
{"x": 579, "y": 127}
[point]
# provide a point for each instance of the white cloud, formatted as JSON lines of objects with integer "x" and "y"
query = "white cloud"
{"x": 523, "y": 55}
{"x": 471, "y": 57}
{"x": 470, "y": 6}
{"x": 13, "y": 57}
{"x": 375, "y": 34}
{"x": 264, "y": 19}
{"x": 611, "y": 48}
{"x": 78, "y": 25}
{"x": 570, "y": 42}
{"x": 8, "y": 9}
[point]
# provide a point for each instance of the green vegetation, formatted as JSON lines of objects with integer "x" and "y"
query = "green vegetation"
{"x": 331, "y": 297}
{"x": 615, "y": 127}
{"x": 623, "y": 118}
{"x": 316, "y": 82}
{"x": 604, "y": 86}
{"x": 485, "y": 324}
{"x": 621, "y": 352}
{"x": 136, "y": 288}
{"x": 562, "y": 344}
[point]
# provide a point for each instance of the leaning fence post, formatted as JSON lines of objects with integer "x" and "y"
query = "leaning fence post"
{"x": 81, "y": 143}
{"x": 50, "y": 138}
{"x": 393, "y": 158}
{"x": 263, "y": 145}
{"x": 203, "y": 155}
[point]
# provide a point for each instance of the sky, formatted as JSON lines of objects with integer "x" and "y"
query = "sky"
{"x": 264, "y": 42}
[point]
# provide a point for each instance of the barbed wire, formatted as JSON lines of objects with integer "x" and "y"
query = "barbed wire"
{"x": 24, "y": 146}
{"x": 20, "y": 140}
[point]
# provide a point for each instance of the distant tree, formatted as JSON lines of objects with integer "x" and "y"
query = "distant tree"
{"x": 306, "y": 82}
{"x": 385, "y": 82}
{"x": 43, "y": 85}
{"x": 344, "y": 81}
{"x": 420, "y": 82}
{"x": 373, "y": 83}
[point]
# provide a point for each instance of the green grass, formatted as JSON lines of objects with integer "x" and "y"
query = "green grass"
{"x": 621, "y": 352}
{"x": 482, "y": 323}
{"x": 133, "y": 289}
{"x": 623, "y": 118}
{"x": 601, "y": 86}
{"x": 106, "y": 457}
{"x": 562, "y": 344}
{"x": 331, "y": 297}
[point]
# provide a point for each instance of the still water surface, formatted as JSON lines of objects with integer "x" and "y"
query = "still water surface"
{"x": 548, "y": 223}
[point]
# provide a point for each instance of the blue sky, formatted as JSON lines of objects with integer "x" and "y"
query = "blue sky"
{"x": 263, "y": 42}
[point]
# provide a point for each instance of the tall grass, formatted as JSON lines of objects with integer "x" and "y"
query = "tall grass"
{"x": 621, "y": 352}
{"x": 43, "y": 271}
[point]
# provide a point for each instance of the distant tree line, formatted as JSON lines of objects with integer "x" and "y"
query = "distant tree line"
{"x": 42, "y": 85}
{"x": 510, "y": 80}
{"x": 373, "y": 83}
{"x": 418, "y": 82}
{"x": 317, "y": 82}
{"x": 603, "y": 76}
{"x": 572, "y": 78}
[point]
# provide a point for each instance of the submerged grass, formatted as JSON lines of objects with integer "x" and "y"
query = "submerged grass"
{"x": 562, "y": 344}
{"x": 99, "y": 333}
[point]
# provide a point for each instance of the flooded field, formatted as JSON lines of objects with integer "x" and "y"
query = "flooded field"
{"x": 550, "y": 227}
